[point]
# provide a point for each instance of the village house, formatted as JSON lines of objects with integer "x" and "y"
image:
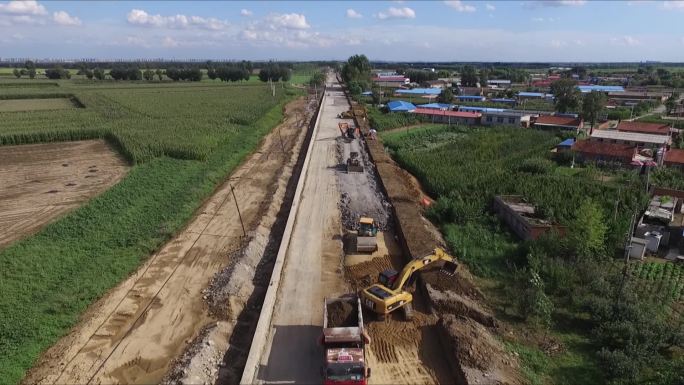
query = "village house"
{"x": 450, "y": 117}
{"x": 558, "y": 122}
{"x": 522, "y": 217}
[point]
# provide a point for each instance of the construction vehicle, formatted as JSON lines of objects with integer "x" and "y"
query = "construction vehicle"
{"x": 346, "y": 115}
{"x": 354, "y": 162}
{"x": 366, "y": 235}
{"x": 348, "y": 131}
{"x": 389, "y": 295}
{"x": 344, "y": 342}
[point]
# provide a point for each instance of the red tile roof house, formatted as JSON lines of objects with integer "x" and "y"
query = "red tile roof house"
{"x": 558, "y": 122}
{"x": 601, "y": 151}
{"x": 645, "y": 128}
{"x": 450, "y": 117}
{"x": 674, "y": 158}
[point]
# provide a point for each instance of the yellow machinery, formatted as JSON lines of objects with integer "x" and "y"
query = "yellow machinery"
{"x": 366, "y": 235}
{"x": 389, "y": 295}
{"x": 354, "y": 162}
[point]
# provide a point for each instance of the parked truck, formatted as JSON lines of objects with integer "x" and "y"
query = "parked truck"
{"x": 344, "y": 342}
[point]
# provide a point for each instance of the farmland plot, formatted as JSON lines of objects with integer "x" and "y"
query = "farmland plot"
{"x": 182, "y": 142}
{"x": 14, "y": 105}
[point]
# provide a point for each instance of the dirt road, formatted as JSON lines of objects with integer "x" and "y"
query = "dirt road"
{"x": 314, "y": 268}
{"x": 133, "y": 334}
{"x": 41, "y": 182}
{"x": 313, "y": 263}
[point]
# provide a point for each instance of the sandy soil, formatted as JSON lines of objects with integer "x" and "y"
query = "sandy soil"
{"x": 41, "y": 182}
{"x": 133, "y": 334}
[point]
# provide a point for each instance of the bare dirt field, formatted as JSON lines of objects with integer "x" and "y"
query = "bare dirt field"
{"x": 41, "y": 182}
{"x": 17, "y": 105}
{"x": 134, "y": 333}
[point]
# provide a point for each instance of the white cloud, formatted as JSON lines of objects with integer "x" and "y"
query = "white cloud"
{"x": 556, "y": 3}
{"x": 542, "y": 19}
{"x": 674, "y": 5}
{"x": 28, "y": 7}
{"x": 63, "y": 18}
{"x": 630, "y": 40}
{"x": 287, "y": 21}
{"x": 558, "y": 43}
{"x": 625, "y": 41}
{"x": 352, "y": 14}
{"x": 490, "y": 7}
{"x": 142, "y": 18}
{"x": 169, "y": 42}
{"x": 460, "y": 7}
{"x": 246, "y": 12}
{"x": 397, "y": 13}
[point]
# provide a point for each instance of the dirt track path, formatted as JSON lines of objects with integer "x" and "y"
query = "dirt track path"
{"x": 138, "y": 328}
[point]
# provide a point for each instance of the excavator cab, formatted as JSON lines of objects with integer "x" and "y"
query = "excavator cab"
{"x": 387, "y": 277}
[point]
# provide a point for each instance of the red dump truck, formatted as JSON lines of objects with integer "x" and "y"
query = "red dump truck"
{"x": 344, "y": 341}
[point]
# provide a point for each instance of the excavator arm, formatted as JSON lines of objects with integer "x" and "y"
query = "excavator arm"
{"x": 438, "y": 255}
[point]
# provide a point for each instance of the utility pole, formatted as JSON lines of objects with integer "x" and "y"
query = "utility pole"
{"x": 628, "y": 248}
{"x": 232, "y": 190}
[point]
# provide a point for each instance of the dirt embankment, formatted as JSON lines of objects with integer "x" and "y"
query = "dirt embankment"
{"x": 467, "y": 328}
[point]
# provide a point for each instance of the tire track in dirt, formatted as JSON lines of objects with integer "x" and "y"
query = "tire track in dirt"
{"x": 134, "y": 332}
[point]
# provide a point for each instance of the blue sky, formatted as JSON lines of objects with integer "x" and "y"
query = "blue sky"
{"x": 560, "y": 30}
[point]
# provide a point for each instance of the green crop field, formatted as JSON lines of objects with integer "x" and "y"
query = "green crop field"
{"x": 182, "y": 139}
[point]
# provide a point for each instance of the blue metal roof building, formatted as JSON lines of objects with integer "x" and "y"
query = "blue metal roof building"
{"x": 437, "y": 106}
{"x": 480, "y": 109}
{"x": 586, "y": 89}
{"x": 471, "y": 98}
{"x": 502, "y": 100}
{"x": 567, "y": 143}
{"x": 400, "y": 106}
{"x": 420, "y": 91}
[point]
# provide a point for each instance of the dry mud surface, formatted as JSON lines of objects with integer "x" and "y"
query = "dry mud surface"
{"x": 41, "y": 182}
{"x": 134, "y": 333}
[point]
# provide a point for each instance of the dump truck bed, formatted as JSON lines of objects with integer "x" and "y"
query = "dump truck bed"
{"x": 342, "y": 320}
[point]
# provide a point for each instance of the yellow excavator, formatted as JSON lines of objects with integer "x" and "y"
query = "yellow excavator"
{"x": 389, "y": 295}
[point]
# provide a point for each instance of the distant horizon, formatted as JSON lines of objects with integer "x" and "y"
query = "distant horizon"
{"x": 563, "y": 31}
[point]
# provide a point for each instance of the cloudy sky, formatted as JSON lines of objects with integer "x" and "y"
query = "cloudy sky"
{"x": 561, "y": 30}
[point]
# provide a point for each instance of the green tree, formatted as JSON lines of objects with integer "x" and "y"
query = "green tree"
{"x": 484, "y": 77}
{"x": 17, "y": 73}
{"x": 317, "y": 79}
{"x": 89, "y": 74}
{"x": 468, "y": 76}
{"x": 671, "y": 102}
{"x": 587, "y": 232}
{"x": 99, "y": 73}
{"x": 29, "y": 64}
{"x": 148, "y": 75}
{"x": 566, "y": 95}
{"x": 159, "y": 73}
{"x": 592, "y": 105}
{"x": 357, "y": 69}
{"x": 32, "y": 73}
{"x": 446, "y": 96}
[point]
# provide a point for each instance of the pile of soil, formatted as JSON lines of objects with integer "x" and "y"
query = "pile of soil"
{"x": 458, "y": 283}
{"x": 448, "y": 302}
{"x": 477, "y": 353}
{"x": 342, "y": 314}
{"x": 365, "y": 273}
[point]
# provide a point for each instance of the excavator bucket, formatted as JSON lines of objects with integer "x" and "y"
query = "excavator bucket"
{"x": 449, "y": 268}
